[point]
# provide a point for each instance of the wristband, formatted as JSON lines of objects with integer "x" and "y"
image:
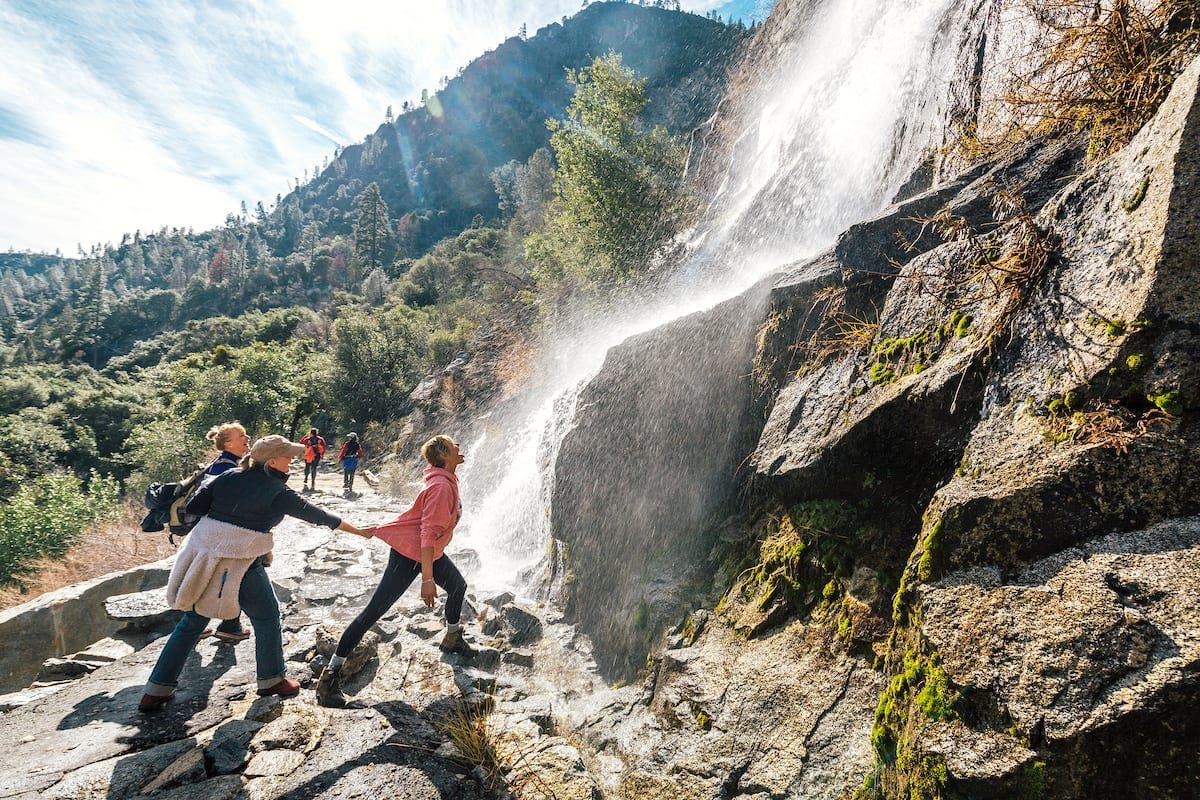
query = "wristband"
{"x": 427, "y": 580}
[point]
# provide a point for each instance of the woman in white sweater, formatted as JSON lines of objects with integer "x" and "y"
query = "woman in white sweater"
{"x": 221, "y": 567}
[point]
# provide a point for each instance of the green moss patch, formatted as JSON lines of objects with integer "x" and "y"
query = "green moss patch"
{"x": 1138, "y": 195}
{"x": 1168, "y": 402}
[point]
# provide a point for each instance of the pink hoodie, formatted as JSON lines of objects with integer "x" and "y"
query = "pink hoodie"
{"x": 431, "y": 520}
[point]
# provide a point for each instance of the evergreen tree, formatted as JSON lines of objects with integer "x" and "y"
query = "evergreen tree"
{"x": 310, "y": 238}
{"x": 92, "y": 309}
{"x": 534, "y": 188}
{"x": 135, "y": 265}
{"x": 618, "y": 186}
{"x": 373, "y": 240}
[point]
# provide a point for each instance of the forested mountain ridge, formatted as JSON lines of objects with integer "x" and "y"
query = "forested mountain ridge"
{"x": 433, "y": 168}
{"x": 433, "y": 164}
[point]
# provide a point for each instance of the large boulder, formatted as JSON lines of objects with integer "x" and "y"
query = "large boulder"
{"x": 659, "y": 435}
{"x": 1070, "y": 443}
{"x": 1092, "y": 655}
{"x": 66, "y": 621}
{"x": 662, "y": 431}
{"x": 889, "y": 385}
{"x": 787, "y": 715}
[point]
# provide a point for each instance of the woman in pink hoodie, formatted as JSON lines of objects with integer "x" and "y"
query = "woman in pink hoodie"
{"x": 418, "y": 538}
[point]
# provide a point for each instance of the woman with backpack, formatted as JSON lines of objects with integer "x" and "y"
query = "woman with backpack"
{"x": 232, "y": 443}
{"x": 222, "y": 565}
{"x": 349, "y": 455}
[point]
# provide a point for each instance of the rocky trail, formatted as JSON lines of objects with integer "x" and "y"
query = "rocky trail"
{"x": 78, "y": 734}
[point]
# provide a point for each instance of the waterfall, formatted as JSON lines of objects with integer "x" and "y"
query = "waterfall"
{"x": 851, "y": 106}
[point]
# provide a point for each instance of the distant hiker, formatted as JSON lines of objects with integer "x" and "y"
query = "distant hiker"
{"x": 418, "y": 538}
{"x": 222, "y": 565}
{"x": 314, "y": 451}
{"x": 232, "y": 443}
{"x": 349, "y": 455}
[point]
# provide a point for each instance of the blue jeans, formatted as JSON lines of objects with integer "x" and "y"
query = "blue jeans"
{"x": 400, "y": 572}
{"x": 257, "y": 599}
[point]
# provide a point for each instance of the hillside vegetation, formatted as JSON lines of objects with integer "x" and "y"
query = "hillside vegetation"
{"x": 555, "y": 165}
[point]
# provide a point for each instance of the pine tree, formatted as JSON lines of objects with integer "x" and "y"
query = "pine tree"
{"x": 135, "y": 265}
{"x": 618, "y": 186}
{"x": 310, "y": 238}
{"x": 373, "y": 241}
{"x": 92, "y": 308}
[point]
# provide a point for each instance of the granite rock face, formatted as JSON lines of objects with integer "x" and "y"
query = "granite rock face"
{"x": 652, "y": 459}
{"x": 1012, "y": 382}
{"x": 1115, "y": 323}
{"x": 64, "y": 621}
{"x": 1092, "y": 654}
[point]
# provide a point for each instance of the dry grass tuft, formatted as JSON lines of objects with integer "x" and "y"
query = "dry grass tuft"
{"x": 505, "y": 763}
{"x": 465, "y": 726}
{"x": 1100, "y": 66}
{"x": 1002, "y": 267}
{"x": 110, "y": 547}
{"x": 839, "y": 331}
{"x": 1109, "y": 424}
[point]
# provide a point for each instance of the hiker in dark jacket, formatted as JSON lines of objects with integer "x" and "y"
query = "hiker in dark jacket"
{"x": 232, "y": 443}
{"x": 222, "y": 558}
{"x": 349, "y": 455}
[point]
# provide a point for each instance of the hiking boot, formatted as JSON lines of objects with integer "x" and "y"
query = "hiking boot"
{"x": 153, "y": 702}
{"x": 232, "y": 636}
{"x": 286, "y": 687}
{"x": 455, "y": 642}
{"x": 329, "y": 690}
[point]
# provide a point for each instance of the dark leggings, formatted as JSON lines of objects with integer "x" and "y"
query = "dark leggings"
{"x": 399, "y": 575}
{"x": 310, "y": 469}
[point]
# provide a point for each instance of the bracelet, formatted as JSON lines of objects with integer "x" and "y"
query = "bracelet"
{"x": 427, "y": 580}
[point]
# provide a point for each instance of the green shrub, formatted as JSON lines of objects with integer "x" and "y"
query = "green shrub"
{"x": 45, "y": 517}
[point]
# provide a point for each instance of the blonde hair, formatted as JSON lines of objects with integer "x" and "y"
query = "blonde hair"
{"x": 219, "y": 435}
{"x": 436, "y": 450}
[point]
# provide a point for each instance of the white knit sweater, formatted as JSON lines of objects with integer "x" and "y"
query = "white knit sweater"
{"x": 208, "y": 571}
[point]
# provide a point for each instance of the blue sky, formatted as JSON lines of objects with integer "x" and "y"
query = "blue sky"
{"x": 118, "y": 115}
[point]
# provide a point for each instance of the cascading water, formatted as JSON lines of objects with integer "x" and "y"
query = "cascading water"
{"x": 852, "y": 105}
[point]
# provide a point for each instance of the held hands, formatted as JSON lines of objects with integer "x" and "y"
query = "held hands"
{"x": 428, "y": 592}
{"x": 348, "y": 527}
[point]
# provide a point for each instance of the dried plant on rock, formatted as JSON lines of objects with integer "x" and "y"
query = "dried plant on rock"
{"x": 1100, "y": 66}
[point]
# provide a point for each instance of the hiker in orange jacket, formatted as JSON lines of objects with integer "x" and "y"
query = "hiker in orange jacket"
{"x": 314, "y": 451}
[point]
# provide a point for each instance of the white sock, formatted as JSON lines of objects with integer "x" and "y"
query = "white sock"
{"x": 336, "y": 661}
{"x": 453, "y": 627}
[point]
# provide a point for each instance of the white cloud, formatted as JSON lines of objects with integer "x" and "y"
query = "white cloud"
{"x": 318, "y": 128}
{"x": 172, "y": 113}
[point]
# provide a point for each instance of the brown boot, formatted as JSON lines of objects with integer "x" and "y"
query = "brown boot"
{"x": 455, "y": 642}
{"x": 329, "y": 690}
